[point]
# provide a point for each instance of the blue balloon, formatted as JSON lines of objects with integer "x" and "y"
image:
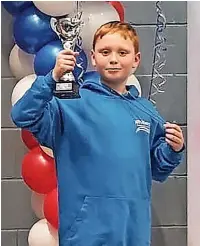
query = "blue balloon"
{"x": 16, "y": 7}
{"x": 32, "y": 30}
{"x": 45, "y": 59}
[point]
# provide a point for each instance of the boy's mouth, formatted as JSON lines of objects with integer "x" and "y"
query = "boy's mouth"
{"x": 113, "y": 69}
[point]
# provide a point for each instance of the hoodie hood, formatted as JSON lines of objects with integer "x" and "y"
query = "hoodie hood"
{"x": 92, "y": 81}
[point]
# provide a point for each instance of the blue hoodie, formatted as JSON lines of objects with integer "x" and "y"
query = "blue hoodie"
{"x": 108, "y": 147}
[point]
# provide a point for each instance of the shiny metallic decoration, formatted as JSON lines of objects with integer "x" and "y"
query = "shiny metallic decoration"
{"x": 159, "y": 60}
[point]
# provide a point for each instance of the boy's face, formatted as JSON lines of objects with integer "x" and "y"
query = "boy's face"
{"x": 114, "y": 58}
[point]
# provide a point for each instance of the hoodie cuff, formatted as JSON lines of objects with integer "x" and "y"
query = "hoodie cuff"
{"x": 171, "y": 155}
{"x": 50, "y": 81}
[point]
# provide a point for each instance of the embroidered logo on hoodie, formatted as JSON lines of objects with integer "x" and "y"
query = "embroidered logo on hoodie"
{"x": 142, "y": 125}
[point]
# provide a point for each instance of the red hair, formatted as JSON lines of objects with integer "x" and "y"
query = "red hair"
{"x": 124, "y": 29}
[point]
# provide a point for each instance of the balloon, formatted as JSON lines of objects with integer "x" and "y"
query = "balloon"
{"x": 119, "y": 8}
{"x": 45, "y": 59}
{"x": 51, "y": 208}
{"x": 38, "y": 171}
{"x": 37, "y": 202}
{"x": 132, "y": 80}
{"x": 43, "y": 234}
{"x": 94, "y": 76}
{"x": 55, "y": 8}
{"x": 29, "y": 140}
{"x": 32, "y": 30}
{"x": 21, "y": 63}
{"x": 48, "y": 151}
{"x": 95, "y": 14}
{"x": 21, "y": 87}
{"x": 15, "y": 7}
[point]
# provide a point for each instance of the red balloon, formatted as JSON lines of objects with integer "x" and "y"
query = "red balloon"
{"x": 38, "y": 171}
{"x": 51, "y": 208}
{"x": 29, "y": 140}
{"x": 119, "y": 8}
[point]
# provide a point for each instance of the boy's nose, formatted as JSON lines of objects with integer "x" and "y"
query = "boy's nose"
{"x": 113, "y": 62}
{"x": 113, "y": 59}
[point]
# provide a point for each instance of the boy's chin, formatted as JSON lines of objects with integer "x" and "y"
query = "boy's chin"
{"x": 112, "y": 77}
{"x": 113, "y": 81}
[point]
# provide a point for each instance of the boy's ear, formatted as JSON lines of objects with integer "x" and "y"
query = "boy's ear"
{"x": 137, "y": 60}
{"x": 93, "y": 58}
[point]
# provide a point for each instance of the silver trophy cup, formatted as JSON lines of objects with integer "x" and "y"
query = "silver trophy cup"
{"x": 68, "y": 30}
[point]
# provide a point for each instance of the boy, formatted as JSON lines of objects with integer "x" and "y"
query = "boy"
{"x": 108, "y": 145}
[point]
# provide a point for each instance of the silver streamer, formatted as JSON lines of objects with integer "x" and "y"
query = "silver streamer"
{"x": 79, "y": 45}
{"x": 80, "y": 64}
{"x": 159, "y": 60}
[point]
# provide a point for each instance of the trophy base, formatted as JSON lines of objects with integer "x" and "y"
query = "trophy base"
{"x": 67, "y": 94}
{"x": 67, "y": 90}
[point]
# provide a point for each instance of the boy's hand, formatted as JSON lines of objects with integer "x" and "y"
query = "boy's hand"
{"x": 65, "y": 62}
{"x": 174, "y": 136}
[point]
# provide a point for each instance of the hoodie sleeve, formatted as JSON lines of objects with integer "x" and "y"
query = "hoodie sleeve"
{"x": 38, "y": 111}
{"x": 163, "y": 158}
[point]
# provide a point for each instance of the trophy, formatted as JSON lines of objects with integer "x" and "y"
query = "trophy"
{"x": 68, "y": 29}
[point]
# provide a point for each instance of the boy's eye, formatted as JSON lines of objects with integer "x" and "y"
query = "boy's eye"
{"x": 122, "y": 53}
{"x": 104, "y": 52}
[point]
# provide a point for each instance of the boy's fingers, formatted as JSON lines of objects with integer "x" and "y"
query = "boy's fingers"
{"x": 69, "y": 52}
{"x": 68, "y": 57}
{"x": 175, "y": 146}
{"x": 76, "y": 53}
{"x": 173, "y": 138}
{"x": 67, "y": 67}
{"x": 67, "y": 62}
{"x": 66, "y": 51}
{"x": 173, "y": 131}
{"x": 172, "y": 125}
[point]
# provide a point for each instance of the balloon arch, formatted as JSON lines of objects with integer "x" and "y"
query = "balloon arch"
{"x": 34, "y": 53}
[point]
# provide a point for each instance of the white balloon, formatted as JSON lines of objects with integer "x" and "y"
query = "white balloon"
{"x": 21, "y": 63}
{"x": 37, "y": 202}
{"x": 43, "y": 234}
{"x": 21, "y": 87}
{"x": 55, "y": 8}
{"x": 132, "y": 80}
{"x": 95, "y": 14}
{"x": 48, "y": 151}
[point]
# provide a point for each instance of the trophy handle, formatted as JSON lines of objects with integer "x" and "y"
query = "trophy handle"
{"x": 53, "y": 23}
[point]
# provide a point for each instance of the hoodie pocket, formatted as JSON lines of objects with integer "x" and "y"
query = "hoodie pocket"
{"x": 111, "y": 221}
